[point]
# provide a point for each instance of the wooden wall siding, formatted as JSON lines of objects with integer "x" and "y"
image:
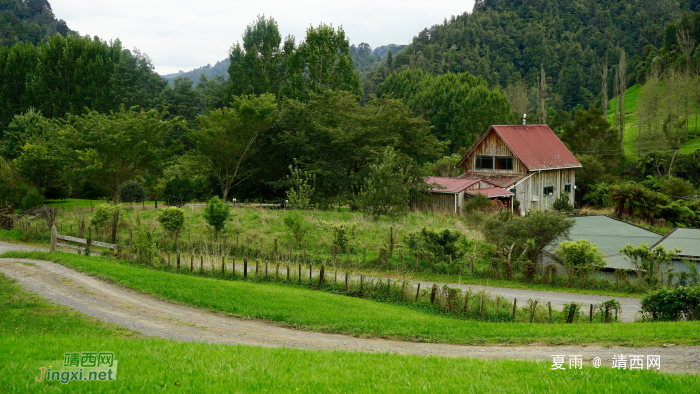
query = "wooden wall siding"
{"x": 493, "y": 145}
{"x": 441, "y": 202}
{"x": 534, "y": 186}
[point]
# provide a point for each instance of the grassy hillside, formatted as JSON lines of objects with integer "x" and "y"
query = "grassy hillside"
{"x": 632, "y": 125}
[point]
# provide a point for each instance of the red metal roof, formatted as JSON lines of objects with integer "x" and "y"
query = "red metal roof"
{"x": 491, "y": 192}
{"x": 500, "y": 180}
{"x": 450, "y": 185}
{"x": 535, "y": 145}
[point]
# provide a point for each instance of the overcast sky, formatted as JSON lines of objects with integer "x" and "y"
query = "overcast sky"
{"x": 182, "y": 35}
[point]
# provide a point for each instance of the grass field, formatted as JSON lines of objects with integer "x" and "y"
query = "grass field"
{"x": 45, "y": 332}
{"x": 253, "y": 232}
{"x": 321, "y": 311}
{"x": 632, "y": 125}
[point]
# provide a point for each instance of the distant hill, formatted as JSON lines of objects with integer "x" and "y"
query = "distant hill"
{"x": 364, "y": 56}
{"x": 30, "y": 21}
{"x": 220, "y": 68}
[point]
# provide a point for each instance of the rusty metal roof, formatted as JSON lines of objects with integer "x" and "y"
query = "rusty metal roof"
{"x": 535, "y": 145}
{"x": 450, "y": 185}
{"x": 500, "y": 180}
{"x": 491, "y": 192}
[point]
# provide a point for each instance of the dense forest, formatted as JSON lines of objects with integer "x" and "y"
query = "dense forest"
{"x": 218, "y": 69}
{"x": 506, "y": 42}
{"x": 30, "y": 21}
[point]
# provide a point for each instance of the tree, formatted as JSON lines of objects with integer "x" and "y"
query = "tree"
{"x": 581, "y": 255}
{"x": 226, "y": 136}
{"x": 257, "y": 66}
{"x": 23, "y": 129}
{"x": 674, "y": 131}
{"x": 517, "y": 96}
{"x": 216, "y": 213}
{"x": 172, "y": 219}
{"x": 322, "y": 62}
{"x": 179, "y": 190}
{"x": 590, "y": 132}
{"x": 389, "y": 186}
{"x": 110, "y": 149}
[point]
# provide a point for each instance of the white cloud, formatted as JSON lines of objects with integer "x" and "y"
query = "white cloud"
{"x": 181, "y": 35}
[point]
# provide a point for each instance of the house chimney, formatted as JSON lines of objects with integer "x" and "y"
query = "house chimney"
{"x": 524, "y": 119}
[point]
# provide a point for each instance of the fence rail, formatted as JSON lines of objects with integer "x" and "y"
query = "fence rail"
{"x": 88, "y": 242}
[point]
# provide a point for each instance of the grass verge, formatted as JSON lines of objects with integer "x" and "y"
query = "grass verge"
{"x": 319, "y": 311}
{"x": 147, "y": 365}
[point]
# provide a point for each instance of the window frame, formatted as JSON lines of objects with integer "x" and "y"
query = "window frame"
{"x": 567, "y": 188}
{"x": 478, "y": 160}
{"x": 544, "y": 191}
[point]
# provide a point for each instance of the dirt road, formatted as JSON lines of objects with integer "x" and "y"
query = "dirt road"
{"x": 157, "y": 318}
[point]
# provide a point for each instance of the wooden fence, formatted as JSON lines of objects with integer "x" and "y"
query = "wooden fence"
{"x": 6, "y": 217}
{"x": 88, "y": 242}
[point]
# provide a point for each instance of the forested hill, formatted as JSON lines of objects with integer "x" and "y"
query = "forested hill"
{"x": 30, "y": 21}
{"x": 365, "y": 58}
{"x": 505, "y": 41}
{"x": 220, "y": 68}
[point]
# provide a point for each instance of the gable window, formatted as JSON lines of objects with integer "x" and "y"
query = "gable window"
{"x": 504, "y": 163}
{"x": 485, "y": 162}
{"x": 567, "y": 188}
{"x": 549, "y": 190}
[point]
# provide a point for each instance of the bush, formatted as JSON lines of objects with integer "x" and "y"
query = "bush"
{"x": 343, "y": 235}
{"x": 32, "y": 200}
{"x": 102, "y": 216}
{"x": 92, "y": 191}
{"x": 216, "y": 213}
{"x": 563, "y": 203}
{"x": 439, "y": 244}
{"x": 671, "y": 305}
{"x": 478, "y": 203}
{"x": 299, "y": 195}
{"x": 581, "y": 254}
{"x": 132, "y": 191}
{"x": 172, "y": 219}
{"x": 296, "y": 226}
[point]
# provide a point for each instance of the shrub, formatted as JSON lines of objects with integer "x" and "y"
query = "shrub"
{"x": 296, "y": 226}
{"x": 299, "y": 195}
{"x": 172, "y": 219}
{"x": 563, "y": 203}
{"x": 581, "y": 254}
{"x": 478, "y": 203}
{"x": 102, "y": 216}
{"x": 32, "y": 200}
{"x": 132, "y": 191}
{"x": 439, "y": 244}
{"x": 146, "y": 250}
{"x": 671, "y": 305}
{"x": 343, "y": 235}
{"x": 216, "y": 213}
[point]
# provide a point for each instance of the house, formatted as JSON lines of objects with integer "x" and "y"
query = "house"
{"x": 610, "y": 235}
{"x": 687, "y": 240}
{"x": 528, "y": 160}
{"x": 449, "y": 194}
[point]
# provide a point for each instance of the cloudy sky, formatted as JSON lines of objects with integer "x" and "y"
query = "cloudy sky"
{"x": 182, "y": 35}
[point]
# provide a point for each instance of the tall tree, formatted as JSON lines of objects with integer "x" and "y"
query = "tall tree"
{"x": 622, "y": 85}
{"x": 256, "y": 66}
{"x": 225, "y": 137}
{"x": 542, "y": 96}
{"x": 110, "y": 149}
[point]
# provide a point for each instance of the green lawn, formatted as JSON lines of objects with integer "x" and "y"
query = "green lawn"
{"x": 321, "y": 311}
{"x": 149, "y": 365}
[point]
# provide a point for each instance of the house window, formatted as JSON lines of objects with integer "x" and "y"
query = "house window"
{"x": 504, "y": 163}
{"x": 513, "y": 191}
{"x": 567, "y": 188}
{"x": 484, "y": 162}
{"x": 549, "y": 190}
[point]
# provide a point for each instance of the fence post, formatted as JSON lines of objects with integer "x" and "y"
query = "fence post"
{"x": 201, "y": 263}
{"x": 300, "y": 273}
{"x": 288, "y": 271}
{"x": 233, "y": 267}
{"x": 191, "y": 263}
{"x": 481, "y": 304}
{"x": 549, "y": 306}
{"x": 590, "y": 318}
{"x": 223, "y": 265}
{"x": 89, "y": 242}
{"x": 53, "y": 238}
{"x": 311, "y": 266}
{"x": 471, "y": 266}
{"x": 265, "y": 269}
{"x": 346, "y": 281}
{"x": 533, "y": 308}
{"x": 515, "y": 307}
{"x": 433, "y": 293}
{"x": 321, "y": 274}
{"x": 178, "y": 260}
{"x": 466, "y": 301}
{"x": 277, "y": 271}
{"x": 245, "y": 267}
{"x": 362, "y": 279}
{"x": 418, "y": 292}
